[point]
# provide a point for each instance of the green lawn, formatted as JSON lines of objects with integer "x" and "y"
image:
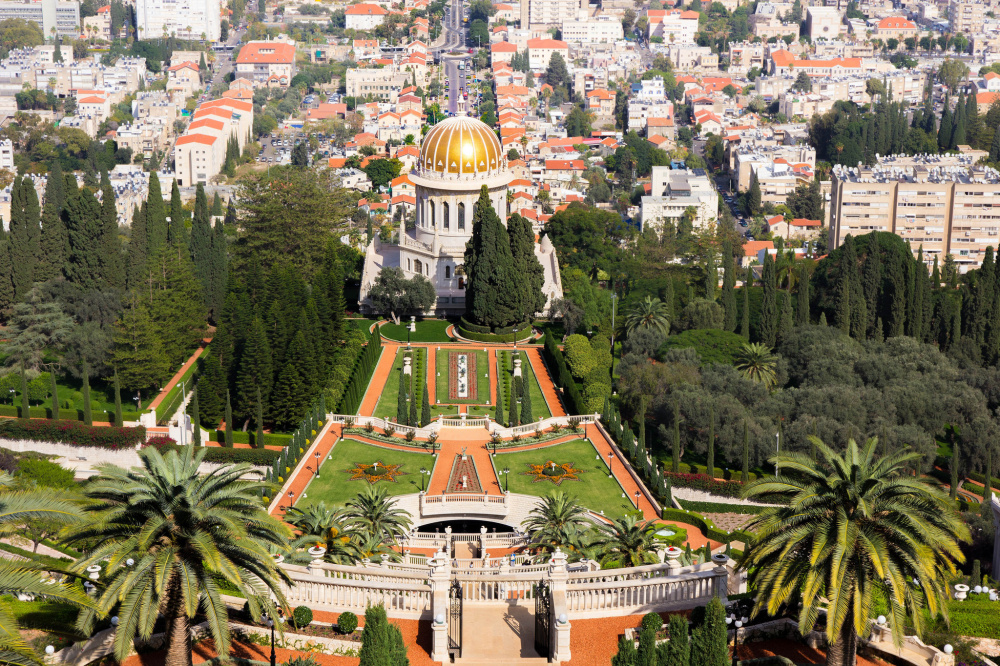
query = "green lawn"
{"x": 483, "y": 378}
{"x": 594, "y": 489}
{"x": 428, "y": 330}
{"x": 539, "y": 408}
{"x": 387, "y": 406}
{"x": 334, "y": 487}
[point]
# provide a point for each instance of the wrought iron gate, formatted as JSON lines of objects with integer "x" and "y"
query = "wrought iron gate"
{"x": 543, "y": 620}
{"x": 455, "y": 620}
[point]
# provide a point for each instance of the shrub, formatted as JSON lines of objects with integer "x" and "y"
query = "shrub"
{"x": 706, "y": 483}
{"x": 222, "y": 455}
{"x": 73, "y": 433}
{"x": 579, "y": 356}
{"x": 652, "y": 620}
{"x": 347, "y": 622}
{"x": 302, "y": 616}
{"x": 301, "y": 661}
{"x": 45, "y": 473}
{"x": 160, "y": 441}
{"x": 495, "y": 338}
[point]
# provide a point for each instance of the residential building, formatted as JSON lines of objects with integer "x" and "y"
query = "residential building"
{"x": 896, "y": 27}
{"x": 184, "y": 78}
{"x": 201, "y": 152}
{"x": 596, "y": 30}
{"x": 968, "y": 16}
{"x": 7, "y": 155}
{"x": 99, "y": 25}
{"x": 502, "y": 52}
{"x": 673, "y": 26}
{"x": 542, "y": 14}
{"x": 385, "y": 84}
{"x": 943, "y": 204}
{"x": 824, "y": 22}
{"x": 751, "y": 156}
{"x": 673, "y": 192}
{"x": 187, "y": 19}
{"x": 744, "y": 56}
{"x": 266, "y": 62}
{"x": 49, "y": 15}
{"x": 540, "y": 52}
{"x": 365, "y": 16}
{"x": 692, "y": 58}
{"x": 601, "y": 103}
{"x": 766, "y": 22}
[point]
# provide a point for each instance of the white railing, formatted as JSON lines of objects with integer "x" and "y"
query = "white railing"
{"x": 436, "y": 505}
{"x": 503, "y": 540}
{"x": 502, "y": 588}
{"x": 435, "y": 426}
{"x": 640, "y": 595}
{"x": 401, "y": 599}
{"x": 464, "y": 423}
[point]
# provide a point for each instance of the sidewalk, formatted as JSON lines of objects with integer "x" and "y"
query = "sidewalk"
{"x": 545, "y": 381}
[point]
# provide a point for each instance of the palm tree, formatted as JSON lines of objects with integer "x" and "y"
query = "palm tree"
{"x": 558, "y": 521}
{"x": 756, "y": 363}
{"x": 628, "y": 541}
{"x": 169, "y": 536}
{"x": 376, "y": 515}
{"x": 648, "y": 313}
{"x": 323, "y": 526}
{"x": 851, "y": 527}
{"x": 21, "y": 577}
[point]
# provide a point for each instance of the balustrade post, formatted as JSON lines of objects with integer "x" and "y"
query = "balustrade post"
{"x": 721, "y": 577}
{"x": 439, "y": 580}
{"x": 559, "y": 622}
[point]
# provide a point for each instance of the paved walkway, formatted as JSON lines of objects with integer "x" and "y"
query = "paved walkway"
{"x": 545, "y": 381}
{"x": 377, "y": 384}
{"x": 473, "y": 440}
{"x": 307, "y": 472}
{"x": 176, "y": 379}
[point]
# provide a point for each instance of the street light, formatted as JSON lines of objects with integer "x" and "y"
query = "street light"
{"x": 637, "y": 499}
{"x": 614, "y": 302}
{"x": 317, "y": 464}
{"x": 270, "y": 623}
{"x": 423, "y": 472}
{"x": 611, "y": 456}
{"x": 506, "y": 479}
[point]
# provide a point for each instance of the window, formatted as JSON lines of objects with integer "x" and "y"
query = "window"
{"x": 418, "y": 265}
{"x": 461, "y": 217}
{"x": 433, "y": 216}
{"x": 447, "y": 271}
{"x": 409, "y": 264}
{"x": 446, "y": 212}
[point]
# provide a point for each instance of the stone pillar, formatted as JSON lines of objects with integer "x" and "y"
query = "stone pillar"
{"x": 316, "y": 553}
{"x": 407, "y": 370}
{"x": 439, "y": 579}
{"x": 721, "y": 577}
{"x": 560, "y": 627}
{"x": 517, "y": 367}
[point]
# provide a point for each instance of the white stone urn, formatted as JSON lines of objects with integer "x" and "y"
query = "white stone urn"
{"x": 961, "y": 592}
{"x": 720, "y": 559}
{"x": 93, "y": 572}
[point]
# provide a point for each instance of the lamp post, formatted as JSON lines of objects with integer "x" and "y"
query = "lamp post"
{"x": 506, "y": 479}
{"x": 611, "y": 456}
{"x": 423, "y": 473}
{"x": 317, "y": 464}
{"x": 270, "y": 623}
{"x": 637, "y": 500}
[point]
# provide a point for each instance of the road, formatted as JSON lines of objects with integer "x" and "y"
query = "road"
{"x": 450, "y": 42}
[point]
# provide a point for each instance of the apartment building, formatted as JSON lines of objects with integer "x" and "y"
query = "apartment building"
{"x": 744, "y": 56}
{"x": 596, "y": 30}
{"x": 187, "y": 19}
{"x": 896, "y": 27}
{"x": 672, "y": 192}
{"x": 944, "y": 204}
{"x": 751, "y": 157}
{"x": 99, "y": 25}
{"x": 49, "y": 15}
{"x": 673, "y": 26}
{"x": 543, "y": 14}
{"x": 766, "y": 23}
{"x": 540, "y": 52}
{"x": 7, "y": 155}
{"x": 968, "y": 16}
{"x": 267, "y": 63}
{"x": 384, "y": 84}
{"x": 692, "y": 58}
{"x": 184, "y": 78}
{"x": 201, "y": 152}
{"x": 364, "y": 16}
{"x": 824, "y": 22}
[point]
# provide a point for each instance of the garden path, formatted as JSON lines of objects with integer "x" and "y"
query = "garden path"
{"x": 180, "y": 373}
{"x": 545, "y": 381}
{"x": 381, "y": 375}
{"x": 307, "y": 472}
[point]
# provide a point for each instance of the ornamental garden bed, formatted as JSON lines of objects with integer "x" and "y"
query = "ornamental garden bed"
{"x": 428, "y": 330}
{"x": 446, "y": 381}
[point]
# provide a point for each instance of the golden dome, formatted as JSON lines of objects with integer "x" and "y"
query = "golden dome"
{"x": 461, "y": 145}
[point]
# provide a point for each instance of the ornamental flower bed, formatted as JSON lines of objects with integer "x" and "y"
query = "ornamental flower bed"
{"x": 706, "y": 483}
{"x": 73, "y": 433}
{"x": 466, "y": 375}
{"x": 556, "y": 473}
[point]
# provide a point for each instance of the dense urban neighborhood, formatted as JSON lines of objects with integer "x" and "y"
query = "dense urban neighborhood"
{"x": 414, "y": 332}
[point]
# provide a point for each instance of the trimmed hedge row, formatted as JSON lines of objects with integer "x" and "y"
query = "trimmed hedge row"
{"x": 563, "y": 377}
{"x": 74, "y": 433}
{"x": 241, "y": 437}
{"x": 475, "y": 328}
{"x": 350, "y": 400}
{"x": 220, "y": 454}
{"x": 716, "y": 507}
{"x": 493, "y": 337}
{"x": 727, "y": 474}
{"x": 706, "y": 483}
{"x": 974, "y": 617}
{"x": 468, "y": 326}
{"x": 707, "y": 527}
{"x": 64, "y": 414}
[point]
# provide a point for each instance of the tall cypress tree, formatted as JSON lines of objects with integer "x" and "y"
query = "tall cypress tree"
{"x": 54, "y": 393}
{"x": 769, "y": 308}
{"x": 195, "y": 418}
{"x": 402, "y": 414}
{"x": 84, "y": 230}
{"x": 988, "y": 485}
{"x": 786, "y": 322}
{"x": 53, "y": 244}
{"x": 489, "y": 265}
{"x": 25, "y": 234}
{"x": 955, "y": 476}
{"x": 675, "y": 449}
{"x": 217, "y": 210}
{"x": 802, "y": 292}
{"x": 112, "y": 268}
{"x": 25, "y": 405}
{"x": 527, "y": 270}
{"x": 527, "y": 415}
{"x": 136, "y": 261}
{"x": 219, "y": 275}
{"x": 88, "y": 417}
{"x": 728, "y": 287}
{"x": 231, "y": 218}
{"x": 119, "y": 420}
{"x": 512, "y": 408}
{"x": 710, "y": 457}
{"x": 745, "y": 316}
{"x": 499, "y": 416}
{"x": 745, "y": 477}
{"x": 229, "y": 421}
{"x": 425, "y": 408}
{"x": 201, "y": 244}
{"x": 156, "y": 218}
{"x": 947, "y": 127}
{"x": 176, "y": 229}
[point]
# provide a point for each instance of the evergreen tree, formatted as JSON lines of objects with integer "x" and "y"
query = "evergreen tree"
{"x": 995, "y": 146}
{"x": 84, "y": 231}
{"x": 25, "y": 233}
{"x": 675, "y": 449}
{"x": 176, "y": 304}
{"x": 803, "y": 296}
{"x": 256, "y": 374}
{"x": 176, "y": 229}
{"x": 512, "y": 408}
{"x": 953, "y": 467}
{"x": 769, "y": 308}
{"x": 627, "y": 655}
{"x": 136, "y": 348}
{"x": 947, "y": 127}
{"x": 872, "y": 281}
{"x": 712, "y": 637}
{"x": 53, "y": 245}
{"x": 88, "y": 416}
{"x": 527, "y": 271}
{"x": 119, "y": 421}
{"x": 201, "y": 243}
{"x": 958, "y": 137}
{"x": 195, "y": 419}
{"x": 668, "y": 301}
{"x": 987, "y": 512}
{"x": 25, "y": 404}
{"x": 217, "y": 210}
{"x": 677, "y": 650}
{"x": 259, "y": 419}
{"x": 229, "y": 422}
{"x": 112, "y": 268}
{"x": 527, "y": 416}
{"x": 753, "y": 197}
{"x": 54, "y": 393}
{"x": 425, "y": 408}
{"x": 156, "y": 218}
{"x": 231, "y": 219}
{"x": 745, "y": 477}
{"x": 973, "y": 123}
{"x": 786, "y": 323}
{"x": 219, "y": 275}
{"x": 710, "y": 456}
{"x": 728, "y": 287}
{"x": 6, "y": 275}
{"x": 711, "y": 275}
{"x": 136, "y": 261}
{"x": 402, "y": 413}
{"x": 489, "y": 264}
{"x": 413, "y": 404}
{"x": 211, "y": 385}
{"x": 383, "y": 645}
{"x": 498, "y": 416}
{"x": 646, "y": 655}
{"x": 745, "y": 317}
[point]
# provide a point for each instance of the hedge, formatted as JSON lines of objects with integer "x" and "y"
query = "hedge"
{"x": 64, "y": 414}
{"x": 976, "y": 616}
{"x": 720, "y": 473}
{"x": 74, "y": 433}
{"x": 364, "y": 366}
{"x": 706, "y": 526}
{"x": 475, "y": 328}
{"x": 241, "y": 437}
{"x": 706, "y": 483}
{"x": 493, "y": 337}
{"x": 563, "y": 377}
{"x": 716, "y": 507}
{"x": 221, "y": 454}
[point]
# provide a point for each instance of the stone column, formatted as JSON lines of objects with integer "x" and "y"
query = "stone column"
{"x": 558, "y": 579}
{"x": 439, "y": 579}
{"x": 721, "y": 577}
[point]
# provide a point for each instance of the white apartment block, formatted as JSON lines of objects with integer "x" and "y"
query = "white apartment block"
{"x": 751, "y": 156}
{"x": 201, "y": 152}
{"x": 267, "y": 63}
{"x": 673, "y": 25}
{"x": 945, "y": 204}
{"x": 596, "y": 30}
{"x": 7, "y": 155}
{"x": 549, "y": 13}
{"x": 673, "y": 191}
{"x": 187, "y": 19}
{"x": 689, "y": 57}
{"x": 384, "y": 84}
{"x": 968, "y": 16}
{"x": 540, "y": 52}
{"x": 63, "y": 17}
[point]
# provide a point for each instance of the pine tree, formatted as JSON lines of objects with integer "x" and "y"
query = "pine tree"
{"x": 259, "y": 418}
{"x": 54, "y": 393}
{"x": 119, "y": 420}
{"x": 84, "y": 230}
{"x": 728, "y": 287}
{"x": 53, "y": 244}
{"x": 769, "y": 308}
{"x": 176, "y": 229}
{"x": 88, "y": 417}
{"x": 229, "y": 422}
{"x": 156, "y": 218}
{"x": 425, "y": 408}
{"x": 256, "y": 373}
{"x": 745, "y": 316}
{"x": 675, "y": 449}
{"x": 112, "y": 268}
{"x": 201, "y": 242}
{"x": 136, "y": 348}
{"x": 489, "y": 265}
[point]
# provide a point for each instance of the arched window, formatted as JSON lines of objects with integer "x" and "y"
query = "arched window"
{"x": 433, "y": 216}
{"x": 409, "y": 265}
{"x": 418, "y": 266}
{"x": 447, "y": 269}
{"x": 446, "y": 212}
{"x": 461, "y": 217}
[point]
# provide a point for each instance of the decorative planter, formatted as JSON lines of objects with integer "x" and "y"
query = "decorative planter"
{"x": 961, "y": 592}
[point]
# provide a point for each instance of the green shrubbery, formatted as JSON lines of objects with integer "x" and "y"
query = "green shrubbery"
{"x": 347, "y": 622}
{"x": 302, "y": 617}
{"x": 73, "y": 433}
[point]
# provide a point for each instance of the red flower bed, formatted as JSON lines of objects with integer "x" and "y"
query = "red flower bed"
{"x": 73, "y": 432}
{"x": 470, "y": 376}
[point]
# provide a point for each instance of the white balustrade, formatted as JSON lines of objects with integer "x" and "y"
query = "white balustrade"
{"x": 439, "y": 505}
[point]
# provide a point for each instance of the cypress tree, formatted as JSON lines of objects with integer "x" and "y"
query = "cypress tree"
{"x": 627, "y": 654}
{"x": 728, "y": 287}
{"x": 176, "y": 228}
{"x": 958, "y": 137}
{"x": 231, "y": 219}
{"x": 746, "y": 452}
{"x": 25, "y": 405}
{"x": 219, "y": 275}
{"x": 897, "y": 298}
{"x": 156, "y": 218}
{"x": 413, "y": 404}
{"x": 985, "y": 290}
{"x": 769, "y": 308}
{"x": 786, "y": 322}
{"x": 676, "y": 447}
{"x": 499, "y": 406}
{"x": 87, "y": 415}
{"x": 947, "y": 127}
{"x": 259, "y": 418}
{"x": 802, "y": 316}
{"x": 256, "y": 372}
{"x": 201, "y": 243}
{"x": 710, "y": 456}
{"x": 987, "y": 512}
{"x": 25, "y": 233}
{"x": 425, "y": 408}
{"x": 745, "y": 317}
{"x": 217, "y": 210}
{"x": 646, "y": 655}
{"x": 526, "y": 414}
{"x": 676, "y": 651}
{"x": 512, "y": 408}
{"x": 195, "y": 418}
{"x": 112, "y": 269}
{"x": 973, "y": 124}
{"x": 229, "y": 421}
{"x": 872, "y": 280}
{"x": 401, "y": 412}
{"x": 119, "y": 420}
{"x": 54, "y": 392}
{"x": 711, "y": 275}
{"x": 753, "y": 199}
{"x": 527, "y": 271}
{"x": 53, "y": 244}
{"x": 489, "y": 265}
{"x": 83, "y": 225}
{"x": 954, "y": 463}
{"x": 6, "y": 275}
{"x": 137, "y": 246}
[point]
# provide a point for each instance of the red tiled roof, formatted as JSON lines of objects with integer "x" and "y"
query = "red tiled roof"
{"x": 202, "y": 139}
{"x": 266, "y": 53}
{"x": 364, "y": 9}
